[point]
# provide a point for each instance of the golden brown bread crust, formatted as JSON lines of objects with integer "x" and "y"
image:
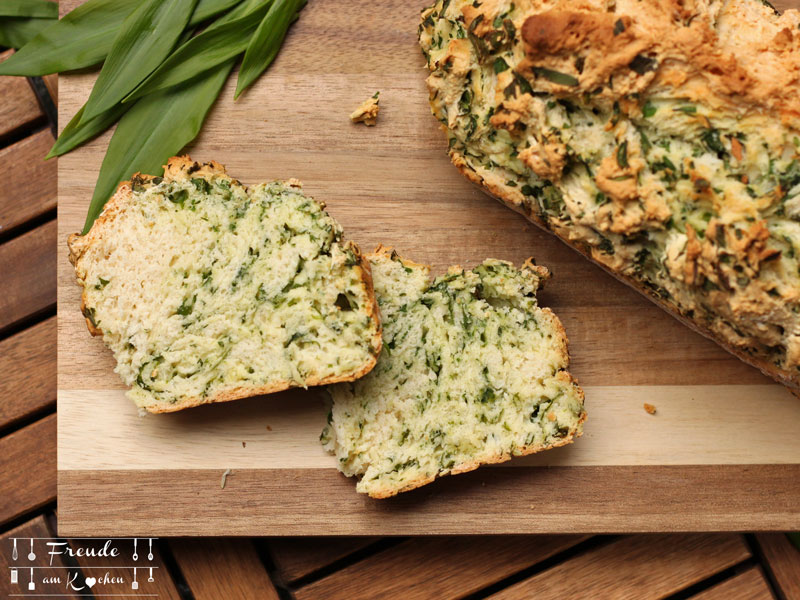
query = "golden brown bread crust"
{"x": 181, "y": 167}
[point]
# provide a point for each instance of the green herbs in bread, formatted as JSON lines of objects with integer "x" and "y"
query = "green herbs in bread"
{"x": 659, "y": 138}
{"x": 207, "y": 291}
{"x": 472, "y": 372}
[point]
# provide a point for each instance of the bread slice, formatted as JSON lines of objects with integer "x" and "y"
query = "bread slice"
{"x": 472, "y": 372}
{"x": 207, "y": 291}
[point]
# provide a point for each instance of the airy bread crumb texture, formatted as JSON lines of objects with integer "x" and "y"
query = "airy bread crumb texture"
{"x": 208, "y": 291}
{"x": 472, "y": 372}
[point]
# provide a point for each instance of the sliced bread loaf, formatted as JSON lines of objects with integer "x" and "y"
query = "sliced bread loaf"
{"x": 207, "y": 291}
{"x": 472, "y": 372}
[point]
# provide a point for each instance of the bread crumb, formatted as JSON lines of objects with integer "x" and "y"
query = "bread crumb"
{"x": 244, "y": 444}
{"x": 650, "y": 408}
{"x": 367, "y": 112}
{"x": 224, "y": 478}
{"x": 269, "y": 428}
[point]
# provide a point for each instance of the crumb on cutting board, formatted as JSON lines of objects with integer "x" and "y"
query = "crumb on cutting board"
{"x": 269, "y": 428}
{"x": 651, "y": 410}
{"x": 244, "y": 444}
{"x": 367, "y": 112}
{"x": 224, "y": 478}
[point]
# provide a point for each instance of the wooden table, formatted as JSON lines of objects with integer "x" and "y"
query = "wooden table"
{"x": 698, "y": 566}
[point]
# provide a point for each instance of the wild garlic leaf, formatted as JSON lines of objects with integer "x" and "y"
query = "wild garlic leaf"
{"x": 155, "y": 128}
{"x": 15, "y": 32}
{"x": 29, "y": 8}
{"x": 206, "y": 9}
{"x": 77, "y": 133}
{"x": 81, "y": 39}
{"x": 267, "y": 40}
{"x": 144, "y": 40}
{"x": 224, "y": 39}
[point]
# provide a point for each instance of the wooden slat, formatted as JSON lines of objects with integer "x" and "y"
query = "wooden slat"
{"x": 749, "y": 585}
{"x": 228, "y": 569}
{"x": 439, "y": 568}
{"x": 783, "y": 560}
{"x": 265, "y": 501}
{"x": 28, "y": 274}
{"x": 118, "y": 567}
{"x": 19, "y": 106}
{"x": 28, "y": 365}
{"x": 28, "y": 467}
{"x": 298, "y": 557}
{"x": 36, "y": 528}
{"x": 641, "y": 567}
{"x": 30, "y": 185}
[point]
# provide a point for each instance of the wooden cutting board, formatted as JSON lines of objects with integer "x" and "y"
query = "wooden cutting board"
{"x": 721, "y": 452}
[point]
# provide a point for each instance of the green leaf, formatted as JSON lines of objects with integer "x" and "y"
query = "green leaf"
{"x": 500, "y": 65}
{"x": 76, "y": 133}
{"x": 29, "y": 8}
{"x": 206, "y": 9}
{"x": 154, "y": 129}
{"x": 16, "y": 32}
{"x": 266, "y": 42}
{"x": 556, "y": 76}
{"x": 622, "y": 155}
{"x": 649, "y": 109}
{"x": 224, "y": 39}
{"x": 81, "y": 39}
{"x": 144, "y": 40}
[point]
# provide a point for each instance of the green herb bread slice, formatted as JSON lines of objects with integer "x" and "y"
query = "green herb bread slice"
{"x": 207, "y": 291}
{"x": 472, "y": 372}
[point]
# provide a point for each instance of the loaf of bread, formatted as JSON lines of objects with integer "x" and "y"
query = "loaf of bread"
{"x": 472, "y": 372}
{"x": 659, "y": 138}
{"x": 207, "y": 291}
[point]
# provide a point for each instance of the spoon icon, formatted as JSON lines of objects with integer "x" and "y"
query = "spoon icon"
{"x": 135, "y": 554}
{"x": 150, "y": 554}
{"x": 150, "y": 579}
{"x": 31, "y": 556}
{"x": 14, "y": 554}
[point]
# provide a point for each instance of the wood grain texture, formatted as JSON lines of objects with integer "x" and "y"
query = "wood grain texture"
{"x": 102, "y": 430}
{"x": 28, "y": 365}
{"x": 285, "y": 502}
{"x": 641, "y": 567}
{"x": 19, "y": 107}
{"x": 297, "y": 557}
{"x": 393, "y": 184}
{"x": 783, "y": 560}
{"x": 28, "y": 274}
{"x": 30, "y": 185}
{"x": 442, "y": 568}
{"x": 28, "y": 465}
{"x": 120, "y": 567}
{"x": 228, "y": 569}
{"x": 35, "y": 528}
{"x": 749, "y": 585}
